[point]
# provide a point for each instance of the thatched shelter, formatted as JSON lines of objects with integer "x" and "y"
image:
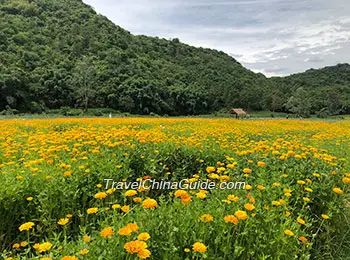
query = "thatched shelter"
{"x": 238, "y": 112}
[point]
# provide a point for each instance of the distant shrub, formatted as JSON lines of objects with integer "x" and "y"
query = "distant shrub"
{"x": 323, "y": 113}
{"x": 9, "y": 111}
{"x": 75, "y": 112}
{"x": 64, "y": 110}
{"x": 36, "y": 108}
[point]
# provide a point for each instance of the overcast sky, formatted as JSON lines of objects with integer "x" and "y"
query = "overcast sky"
{"x": 275, "y": 37}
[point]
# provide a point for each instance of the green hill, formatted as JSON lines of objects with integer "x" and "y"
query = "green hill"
{"x": 56, "y": 54}
{"x": 326, "y": 89}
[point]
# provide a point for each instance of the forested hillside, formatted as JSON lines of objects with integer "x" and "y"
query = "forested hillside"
{"x": 57, "y": 54}
{"x": 325, "y": 90}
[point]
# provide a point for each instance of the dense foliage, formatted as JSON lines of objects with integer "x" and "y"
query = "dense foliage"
{"x": 45, "y": 46}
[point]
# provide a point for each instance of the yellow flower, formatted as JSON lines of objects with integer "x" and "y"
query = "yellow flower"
{"x": 301, "y": 221}
{"x": 206, "y": 218}
{"x": 180, "y": 194}
{"x": 84, "y": 251}
{"x": 133, "y": 226}
{"x": 111, "y": 190}
{"x": 248, "y": 187}
{"x": 201, "y": 195}
{"x": 338, "y": 191}
{"x": 308, "y": 190}
{"x": 144, "y": 253}
{"x": 283, "y": 202}
{"x": 125, "y": 209}
{"x": 261, "y": 164}
{"x": 231, "y": 165}
{"x": 247, "y": 170}
{"x": 24, "y": 243}
{"x": 346, "y": 180}
{"x": 261, "y": 187}
{"x": 249, "y": 207}
{"x": 130, "y": 193}
{"x": 285, "y": 190}
{"x": 86, "y": 239}
{"x": 210, "y": 169}
{"x": 92, "y": 210}
{"x": 44, "y": 247}
{"x": 16, "y": 245}
{"x": 137, "y": 199}
{"x": 187, "y": 250}
{"x": 199, "y": 247}
{"x": 26, "y": 226}
{"x": 232, "y": 197}
{"x": 143, "y": 236}
{"x": 99, "y": 185}
{"x": 324, "y": 216}
{"x": 107, "y": 232}
{"x": 68, "y": 257}
{"x": 276, "y": 203}
{"x": 301, "y": 182}
{"x": 288, "y": 232}
{"x": 63, "y": 221}
{"x": 231, "y": 219}
{"x": 116, "y": 206}
{"x": 100, "y": 195}
{"x": 29, "y": 198}
{"x": 287, "y": 213}
{"x": 241, "y": 215}
{"x": 46, "y": 258}
{"x": 306, "y": 199}
{"x": 149, "y": 204}
{"x": 125, "y": 231}
{"x": 67, "y": 174}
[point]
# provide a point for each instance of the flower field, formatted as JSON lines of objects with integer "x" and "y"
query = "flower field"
{"x": 54, "y": 203}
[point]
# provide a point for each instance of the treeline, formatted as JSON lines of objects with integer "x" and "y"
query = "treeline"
{"x": 57, "y": 54}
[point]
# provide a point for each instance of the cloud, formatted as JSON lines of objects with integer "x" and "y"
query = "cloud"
{"x": 278, "y": 37}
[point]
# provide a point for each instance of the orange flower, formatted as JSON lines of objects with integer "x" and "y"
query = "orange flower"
{"x": 247, "y": 170}
{"x": 199, "y": 247}
{"x": 261, "y": 164}
{"x": 241, "y": 215}
{"x": 149, "y": 204}
{"x": 107, "y": 232}
{"x": 303, "y": 239}
{"x": 206, "y": 218}
{"x": 231, "y": 219}
{"x": 249, "y": 207}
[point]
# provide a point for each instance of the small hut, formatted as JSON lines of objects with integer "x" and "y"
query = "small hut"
{"x": 238, "y": 112}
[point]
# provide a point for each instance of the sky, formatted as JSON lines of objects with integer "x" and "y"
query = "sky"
{"x": 274, "y": 37}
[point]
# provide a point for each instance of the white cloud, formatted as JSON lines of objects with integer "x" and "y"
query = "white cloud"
{"x": 280, "y": 36}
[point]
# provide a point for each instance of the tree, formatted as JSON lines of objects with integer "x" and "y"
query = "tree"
{"x": 299, "y": 103}
{"x": 84, "y": 80}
